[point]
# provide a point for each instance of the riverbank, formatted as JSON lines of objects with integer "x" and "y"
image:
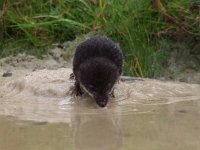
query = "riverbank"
{"x": 178, "y": 69}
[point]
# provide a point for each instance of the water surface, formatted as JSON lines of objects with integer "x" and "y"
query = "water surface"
{"x": 37, "y": 112}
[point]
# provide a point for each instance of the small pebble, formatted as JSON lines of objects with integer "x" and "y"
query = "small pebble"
{"x": 7, "y": 74}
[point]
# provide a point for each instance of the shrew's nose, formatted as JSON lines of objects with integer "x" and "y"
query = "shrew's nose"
{"x": 102, "y": 103}
{"x": 101, "y": 100}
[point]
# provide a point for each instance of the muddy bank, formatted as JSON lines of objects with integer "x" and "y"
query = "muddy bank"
{"x": 58, "y": 57}
{"x": 183, "y": 61}
{"x": 182, "y": 65}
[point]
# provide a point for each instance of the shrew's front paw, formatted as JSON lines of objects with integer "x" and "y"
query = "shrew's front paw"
{"x": 77, "y": 91}
{"x": 112, "y": 94}
{"x": 72, "y": 76}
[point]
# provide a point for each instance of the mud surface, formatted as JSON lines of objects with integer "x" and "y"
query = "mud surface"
{"x": 183, "y": 61}
{"x": 37, "y": 112}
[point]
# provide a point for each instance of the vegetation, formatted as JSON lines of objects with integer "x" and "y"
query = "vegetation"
{"x": 137, "y": 25}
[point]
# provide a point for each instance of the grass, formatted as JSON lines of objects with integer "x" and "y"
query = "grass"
{"x": 137, "y": 25}
{"x": 131, "y": 25}
{"x": 36, "y": 25}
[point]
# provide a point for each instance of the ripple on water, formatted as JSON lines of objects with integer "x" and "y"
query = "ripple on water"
{"x": 44, "y": 95}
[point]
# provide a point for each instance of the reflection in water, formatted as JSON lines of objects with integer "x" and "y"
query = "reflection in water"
{"x": 21, "y": 135}
{"x": 146, "y": 114}
{"x": 99, "y": 131}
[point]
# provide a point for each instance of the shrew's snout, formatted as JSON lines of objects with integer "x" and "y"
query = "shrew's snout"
{"x": 101, "y": 100}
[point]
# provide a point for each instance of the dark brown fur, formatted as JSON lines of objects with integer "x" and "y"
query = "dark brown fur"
{"x": 97, "y": 66}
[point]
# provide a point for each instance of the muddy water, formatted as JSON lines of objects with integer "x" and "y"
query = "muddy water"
{"x": 38, "y": 113}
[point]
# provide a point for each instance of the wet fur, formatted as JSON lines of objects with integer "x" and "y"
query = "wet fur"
{"x": 97, "y": 66}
